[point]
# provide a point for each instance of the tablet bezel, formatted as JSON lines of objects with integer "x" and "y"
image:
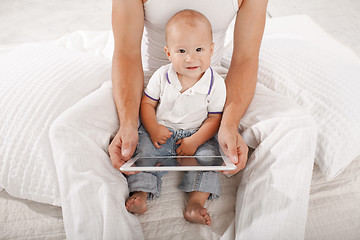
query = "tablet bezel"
{"x": 127, "y": 167}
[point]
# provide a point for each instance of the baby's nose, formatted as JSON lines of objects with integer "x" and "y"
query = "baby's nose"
{"x": 189, "y": 57}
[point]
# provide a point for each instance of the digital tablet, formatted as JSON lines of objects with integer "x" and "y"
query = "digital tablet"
{"x": 178, "y": 163}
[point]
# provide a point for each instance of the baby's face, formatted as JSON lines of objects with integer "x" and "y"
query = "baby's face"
{"x": 189, "y": 48}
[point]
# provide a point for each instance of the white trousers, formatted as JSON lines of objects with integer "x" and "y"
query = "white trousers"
{"x": 272, "y": 198}
{"x": 273, "y": 195}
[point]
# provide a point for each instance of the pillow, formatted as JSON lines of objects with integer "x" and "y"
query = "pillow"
{"x": 37, "y": 83}
{"x": 327, "y": 85}
{"x": 98, "y": 43}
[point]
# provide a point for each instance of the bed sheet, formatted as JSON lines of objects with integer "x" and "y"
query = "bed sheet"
{"x": 334, "y": 206}
{"x": 334, "y": 210}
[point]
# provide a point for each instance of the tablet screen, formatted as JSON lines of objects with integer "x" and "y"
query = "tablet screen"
{"x": 178, "y": 161}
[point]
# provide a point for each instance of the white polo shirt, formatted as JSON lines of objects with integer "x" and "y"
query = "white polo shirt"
{"x": 189, "y": 109}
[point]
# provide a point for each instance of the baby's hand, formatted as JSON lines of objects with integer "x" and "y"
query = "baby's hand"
{"x": 160, "y": 135}
{"x": 187, "y": 147}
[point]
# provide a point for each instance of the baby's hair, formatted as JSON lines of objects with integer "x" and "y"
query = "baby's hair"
{"x": 189, "y": 17}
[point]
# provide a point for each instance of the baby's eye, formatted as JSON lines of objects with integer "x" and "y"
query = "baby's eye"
{"x": 181, "y": 51}
{"x": 199, "y": 49}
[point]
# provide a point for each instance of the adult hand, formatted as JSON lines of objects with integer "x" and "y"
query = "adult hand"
{"x": 234, "y": 147}
{"x": 123, "y": 145}
{"x": 159, "y": 135}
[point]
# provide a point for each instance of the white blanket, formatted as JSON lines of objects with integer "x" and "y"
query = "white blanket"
{"x": 37, "y": 83}
{"x": 96, "y": 44}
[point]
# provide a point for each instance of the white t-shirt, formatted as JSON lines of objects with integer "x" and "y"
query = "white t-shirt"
{"x": 189, "y": 109}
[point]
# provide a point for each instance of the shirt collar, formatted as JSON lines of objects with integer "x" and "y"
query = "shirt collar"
{"x": 203, "y": 86}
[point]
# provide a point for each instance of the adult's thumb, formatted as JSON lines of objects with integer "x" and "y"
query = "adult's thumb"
{"x": 126, "y": 150}
{"x": 232, "y": 150}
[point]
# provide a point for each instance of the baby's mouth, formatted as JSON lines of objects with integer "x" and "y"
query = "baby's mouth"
{"x": 191, "y": 68}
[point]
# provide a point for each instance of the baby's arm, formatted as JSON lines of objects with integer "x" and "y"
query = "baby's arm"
{"x": 208, "y": 129}
{"x": 158, "y": 133}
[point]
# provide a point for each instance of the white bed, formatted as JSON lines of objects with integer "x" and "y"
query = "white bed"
{"x": 334, "y": 207}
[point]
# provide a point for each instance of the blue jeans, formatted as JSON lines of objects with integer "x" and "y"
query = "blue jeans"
{"x": 150, "y": 182}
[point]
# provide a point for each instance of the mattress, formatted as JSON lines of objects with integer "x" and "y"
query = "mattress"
{"x": 334, "y": 207}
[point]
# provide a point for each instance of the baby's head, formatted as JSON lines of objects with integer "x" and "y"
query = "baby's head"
{"x": 189, "y": 44}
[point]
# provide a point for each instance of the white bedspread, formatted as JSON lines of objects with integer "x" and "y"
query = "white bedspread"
{"x": 37, "y": 83}
{"x": 334, "y": 212}
{"x": 334, "y": 209}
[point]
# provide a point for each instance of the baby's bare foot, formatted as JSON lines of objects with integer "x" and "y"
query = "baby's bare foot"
{"x": 137, "y": 203}
{"x": 196, "y": 213}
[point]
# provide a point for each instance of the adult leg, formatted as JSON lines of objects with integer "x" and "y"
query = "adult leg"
{"x": 272, "y": 199}
{"x": 92, "y": 192}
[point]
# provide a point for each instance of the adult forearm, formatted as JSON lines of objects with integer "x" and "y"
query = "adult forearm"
{"x": 240, "y": 87}
{"x": 128, "y": 83}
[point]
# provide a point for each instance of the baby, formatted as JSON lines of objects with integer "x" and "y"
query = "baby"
{"x": 180, "y": 112}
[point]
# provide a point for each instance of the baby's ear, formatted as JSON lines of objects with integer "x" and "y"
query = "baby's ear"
{"x": 167, "y": 52}
{"x": 212, "y": 48}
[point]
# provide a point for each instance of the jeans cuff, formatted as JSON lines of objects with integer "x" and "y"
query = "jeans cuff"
{"x": 201, "y": 181}
{"x": 145, "y": 182}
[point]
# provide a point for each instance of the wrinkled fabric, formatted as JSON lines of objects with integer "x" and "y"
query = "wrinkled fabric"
{"x": 273, "y": 195}
{"x": 93, "y": 193}
{"x": 272, "y": 199}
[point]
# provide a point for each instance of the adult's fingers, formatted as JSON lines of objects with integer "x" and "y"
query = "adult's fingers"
{"x": 243, "y": 155}
{"x": 116, "y": 161}
{"x": 232, "y": 151}
{"x": 129, "y": 140}
{"x": 127, "y": 173}
{"x": 115, "y": 153}
{"x": 127, "y": 149}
